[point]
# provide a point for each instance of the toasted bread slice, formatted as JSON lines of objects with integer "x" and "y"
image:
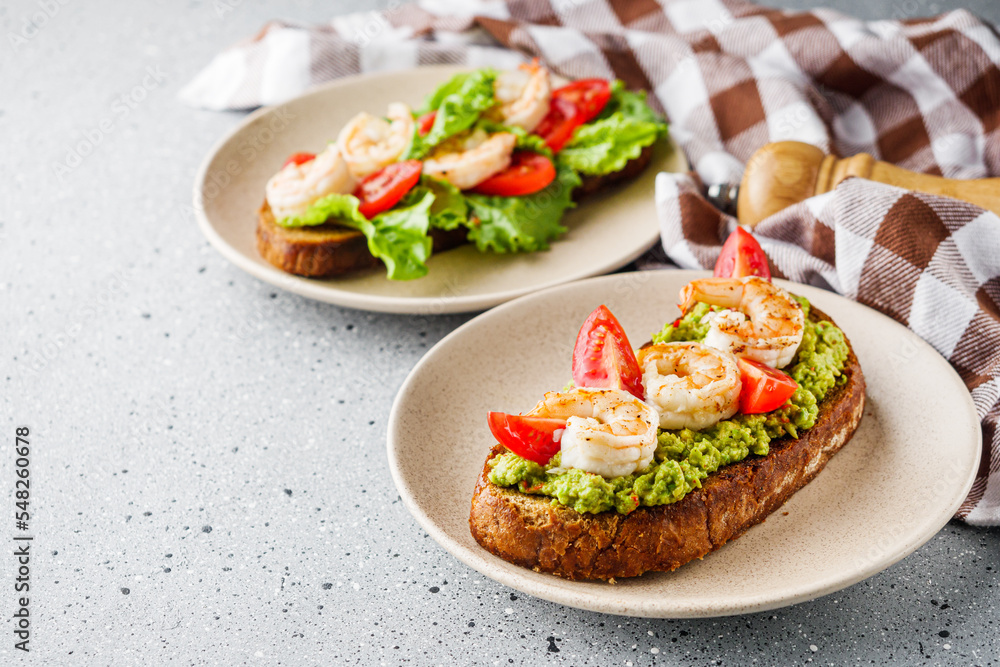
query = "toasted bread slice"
{"x": 328, "y": 249}
{"x": 534, "y": 532}
{"x": 331, "y": 249}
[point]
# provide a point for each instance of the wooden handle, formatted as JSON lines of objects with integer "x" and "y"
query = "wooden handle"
{"x": 786, "y": 172}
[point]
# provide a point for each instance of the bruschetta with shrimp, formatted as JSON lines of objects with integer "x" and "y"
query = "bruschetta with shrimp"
{"x": 491, "y": 158}
{"x": 658, "y": 456}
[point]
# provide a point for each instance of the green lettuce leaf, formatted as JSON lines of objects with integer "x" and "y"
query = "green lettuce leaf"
{"x": 398, "y": 237}
{"x": 331, "y": 207}
{"x": 607, "y": 145}
{"x": 621, "y": 131}
{"x": 449, "y": 87}
{"x": 449, "y": 209}
{"x": 459, "y": 103}
{"x": 522, "y": 224}
{"x": 631, "y": 103}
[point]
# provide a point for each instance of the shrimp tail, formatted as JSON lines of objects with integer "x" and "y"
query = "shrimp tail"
{"x": 688, "y": 298}
{"x": 531, "y": 67}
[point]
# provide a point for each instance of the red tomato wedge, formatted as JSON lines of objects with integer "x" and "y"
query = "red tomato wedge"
{"x": 588, "y": 96}
{"x": 380, "y": 191}
{"x": 528, "y": 173}
{"x": 299, "y": 158}
{"x": 742, "y": 256}
{"x": 426, "y": 122}
{"x": 603, "y": 358}
{"x": 558, "y": 125}
{"x": 532, "y": 438}
{"x": 572, "y": 106}
{"x": 764, "y": 388}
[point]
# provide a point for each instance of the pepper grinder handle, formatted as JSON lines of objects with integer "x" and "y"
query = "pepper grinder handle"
{"x": 786, "y": 172}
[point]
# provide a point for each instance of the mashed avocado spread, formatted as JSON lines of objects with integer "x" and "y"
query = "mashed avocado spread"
{"x": 684, "y": 458}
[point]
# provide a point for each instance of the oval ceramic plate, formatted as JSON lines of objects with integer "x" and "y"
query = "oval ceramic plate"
{"x": 891, "y": 488}
{"x": 606, "y": 231}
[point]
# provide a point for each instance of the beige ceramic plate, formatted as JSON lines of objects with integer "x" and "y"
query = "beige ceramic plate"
{"x": 892, "y": 487}
{"x": 606, "y": 232}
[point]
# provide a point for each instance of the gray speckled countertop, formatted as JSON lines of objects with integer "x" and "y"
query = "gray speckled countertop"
{"x": 209, "y": 479}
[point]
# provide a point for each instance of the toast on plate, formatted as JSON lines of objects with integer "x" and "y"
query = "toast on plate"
{"x": 536, "y": 532}
{"x": 332, "y": 250}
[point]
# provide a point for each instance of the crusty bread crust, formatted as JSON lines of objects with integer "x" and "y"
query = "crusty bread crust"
{"x": 331, "y": 249}
{"x": 533, "y": 532}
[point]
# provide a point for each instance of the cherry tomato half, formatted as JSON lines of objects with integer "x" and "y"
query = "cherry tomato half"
{"x": 764, "y": 388}
{"x": 532, "y": 438}
{"x": 426, "y": 122}
{"x": 742, "y": 256}
{"x": 558, "y": 125}
{"x": 588, "y": 96}
{"x": 380, "y": 191}
{"x": 528, "y": 173}
{"x": 572, "y": 106}
{"x": 299, "y": 158}
{"x": 603, "y": 358}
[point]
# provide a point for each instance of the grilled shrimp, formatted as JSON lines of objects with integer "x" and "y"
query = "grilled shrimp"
{"x": 296, "y": 186}
{"x": 761, "y": 321}
{"x": 609, "y": 432}
{"x": 370, "y": 143}
{"x": 524, "y": 95}
{"x": 480, "y": 156}
{"x": 691, "y": 385}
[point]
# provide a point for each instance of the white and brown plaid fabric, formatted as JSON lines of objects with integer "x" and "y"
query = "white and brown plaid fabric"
{"x": 732, "y": 76}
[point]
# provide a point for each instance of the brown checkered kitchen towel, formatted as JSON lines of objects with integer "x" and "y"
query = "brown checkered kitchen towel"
{"x": 732, "y": 76}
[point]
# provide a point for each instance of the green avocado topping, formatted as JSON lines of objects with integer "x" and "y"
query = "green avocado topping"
{"x": 684, "y": 457}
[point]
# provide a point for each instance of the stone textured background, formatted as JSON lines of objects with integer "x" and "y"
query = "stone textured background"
{"x": 209, "y": 474}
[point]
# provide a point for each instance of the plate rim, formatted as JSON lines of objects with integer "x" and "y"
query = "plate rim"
{"x": 320, "y": 291}
{"x": 525, "y": 580}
